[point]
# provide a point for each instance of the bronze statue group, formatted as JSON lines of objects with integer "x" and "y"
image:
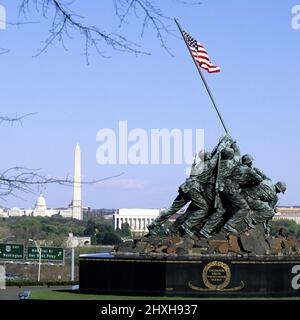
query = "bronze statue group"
{"x": 224, "y": 193}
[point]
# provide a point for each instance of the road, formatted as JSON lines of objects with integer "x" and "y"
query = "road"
{"x": 12, "y": 293}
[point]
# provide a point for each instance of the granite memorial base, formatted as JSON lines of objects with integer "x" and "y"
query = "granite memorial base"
{"x": 207, "y": 276}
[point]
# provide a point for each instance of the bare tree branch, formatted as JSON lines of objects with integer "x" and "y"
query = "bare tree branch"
{"x": 64, "y": 20}
{"x": 21, "y": 23}
{"x": 24, "y": 180}
{"x": 3, "y": 51}
{"x": 151, "y": 14}
{"x": 16, "y": 118}
{"x": 15, "y": 24}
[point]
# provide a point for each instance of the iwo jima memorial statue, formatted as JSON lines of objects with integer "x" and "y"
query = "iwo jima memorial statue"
{"x": 221, "y": 245}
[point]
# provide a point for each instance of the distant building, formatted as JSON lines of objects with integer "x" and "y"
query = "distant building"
{"x": 101, "y": 212}
{"x": 138, "y": 219}
{"x": 40, "y": 207}
{"x": 3, "y": 213}
{"x": 40, "y": 210}
{"x": 14, "y": 212}
{"x": 17, "y": 212}
{"x": 288, "y": 213}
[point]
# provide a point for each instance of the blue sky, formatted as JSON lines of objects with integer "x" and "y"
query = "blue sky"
{"x": 257, "y": 91}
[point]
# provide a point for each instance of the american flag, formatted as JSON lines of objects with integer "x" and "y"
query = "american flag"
{"x": 200, "y": 54}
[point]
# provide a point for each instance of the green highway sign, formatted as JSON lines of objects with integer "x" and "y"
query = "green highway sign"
{"x": 48, "y": 254}
{"x": 11, "y": 251}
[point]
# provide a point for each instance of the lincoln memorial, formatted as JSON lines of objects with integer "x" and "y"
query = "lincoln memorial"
{"x": 138, "y": 219}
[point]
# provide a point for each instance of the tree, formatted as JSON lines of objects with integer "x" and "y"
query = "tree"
{"x": 102, "y": 232}
{"x": 90, "y": 228}
{"x": 52, "y": 230}
{"x": 288, "y": 226}
{"x": 4, "y": 230}
{"x": 106, "y": 235}
{"x": 125, "y": 230}
{"x": 108, "y": 238}
{"x": 26, "y": 229}
{"x": 64, "y": 21}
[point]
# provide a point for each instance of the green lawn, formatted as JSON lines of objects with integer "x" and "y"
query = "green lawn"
{"x": 54, "y": 295}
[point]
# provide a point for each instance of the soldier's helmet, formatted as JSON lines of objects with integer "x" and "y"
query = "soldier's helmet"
{"x": 204, "y": 155}
{"x": 227, "y": 154}
{"x": 247, "y": 159}
{"x": 207, "y": 156}
{"x": 281, "y": 186}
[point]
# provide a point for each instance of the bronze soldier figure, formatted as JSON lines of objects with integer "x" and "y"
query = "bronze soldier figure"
{"x": 262, "y": 201}
{"x": 192, "y": 191}
{"x": 232, "y": 180}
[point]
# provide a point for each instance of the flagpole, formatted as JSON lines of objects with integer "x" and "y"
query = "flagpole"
{"x": 203, "y": 79}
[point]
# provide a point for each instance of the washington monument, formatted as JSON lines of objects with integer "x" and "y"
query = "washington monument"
{"x": 77, "y": 203}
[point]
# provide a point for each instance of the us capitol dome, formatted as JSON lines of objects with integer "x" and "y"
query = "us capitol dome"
{"x": 40, "y": 205}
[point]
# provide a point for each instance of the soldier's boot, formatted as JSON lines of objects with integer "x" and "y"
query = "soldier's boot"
{"x": 231, "y": 230}
{"x": 185, "y": 230}
{"x": 204, "y": 234}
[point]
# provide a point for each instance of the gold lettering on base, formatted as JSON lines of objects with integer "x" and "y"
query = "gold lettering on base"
{"x": 217, "y": 277}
